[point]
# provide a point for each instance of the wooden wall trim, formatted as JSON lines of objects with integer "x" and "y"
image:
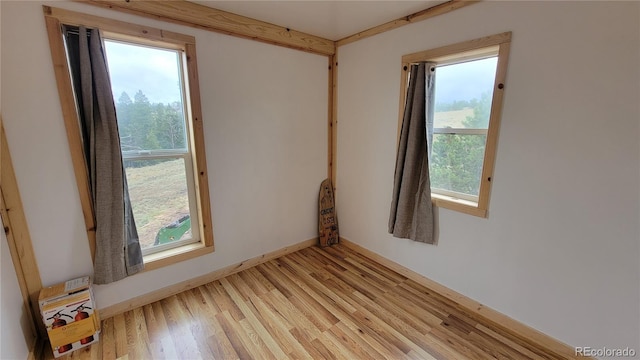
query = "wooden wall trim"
{"x": 333, "y": 119}
{"x": 474, "y": 308}
{"x": 71, "y": 121}
{"x": 124, "y": 30}
{"x": 199, "y": 153}
{"x": 171, "y": 290}
{"x": 406, "y": 20}
{"x": 18, "y": 237}
{"x": 36, "y": 349}
{"x": 199, "y": 16}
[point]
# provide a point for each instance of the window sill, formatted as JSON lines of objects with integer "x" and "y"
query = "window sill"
{"x": 463, "y": 206}
{"x": 172, "y": 256}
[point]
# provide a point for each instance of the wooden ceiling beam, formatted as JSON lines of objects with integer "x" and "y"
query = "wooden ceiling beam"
{"x": 406, "y": 20}
{"x": 199, "y": 16}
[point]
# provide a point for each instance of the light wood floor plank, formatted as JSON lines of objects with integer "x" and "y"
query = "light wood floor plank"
{"x": 225, "y": 321}
{"x": 299, "y": 285}
{"x": 309, "y": 284}
{"x": 180, "y": 324}
{"x": 340, "y": 347}
{"x": 293, "y": 315}
{"x": 250, "y": 316}
{"x": 223, "y": 301}
{"x": 162, "y": 343}
{"x": 356, "y": 267}
{"x": 388, "y": 273}
{"x": 257, "y": 343}
{"x": 309, "y": 306}
{"x": 201, "y": 328}
{"x": 306, "y": 344}
{"x": 316, "y": 303}
{"x": 459, "y": 344}
{"x": 107, "y": 339}
{"x": 279, "y": 330}
{"x": 120, "y": 331}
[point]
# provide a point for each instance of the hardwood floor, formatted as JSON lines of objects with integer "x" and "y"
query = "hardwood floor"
{"x": 315, "y": 303}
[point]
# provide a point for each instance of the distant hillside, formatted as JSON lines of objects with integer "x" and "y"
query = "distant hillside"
{"x": 453, "y": 118}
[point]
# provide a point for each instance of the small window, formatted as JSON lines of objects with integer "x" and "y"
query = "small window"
{"x": 461, "y": 121}
{"x": 469, "y": 84}
{"x": 148, "y": 90}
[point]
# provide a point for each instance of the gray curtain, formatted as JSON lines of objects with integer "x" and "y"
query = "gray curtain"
{"x": 118, "y": 252}
{"x": 411, "y": 214}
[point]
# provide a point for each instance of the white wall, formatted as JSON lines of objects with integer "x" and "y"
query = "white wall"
{"x": 559, "y": 250}
{"x": 15, "y": 330}
{"x": 265, "y": 113}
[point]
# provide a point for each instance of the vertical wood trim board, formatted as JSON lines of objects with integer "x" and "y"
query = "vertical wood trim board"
{"x": 36, "y": 351}
{"x": 332, "y": 133}
{"x": 334, "y": 122}
{"x": 70, "y": 116}
{"x": 491, "y": 151}
{"x": 18, "y": 237}
{"x": 474, "y": 308}
{"x": 330, "y": 139}
{"x": 203, "y": 197}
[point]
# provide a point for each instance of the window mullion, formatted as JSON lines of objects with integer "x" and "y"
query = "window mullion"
{"x": 151, "y": 155}
{"x": 460, "y": 131}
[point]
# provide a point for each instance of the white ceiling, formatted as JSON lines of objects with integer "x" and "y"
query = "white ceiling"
{"x": 330, "y": 19}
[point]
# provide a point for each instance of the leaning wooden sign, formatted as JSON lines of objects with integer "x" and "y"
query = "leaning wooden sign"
{"x": 327, "y": 219}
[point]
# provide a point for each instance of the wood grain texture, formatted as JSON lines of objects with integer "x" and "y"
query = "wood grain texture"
{"x": 333, "y": 120}
{"x": 203, "y": 17}
{"x": 498, "y": 326}
{"x": 19, "y": 240}
{"x": 199, "y": 153}
{"x": 315, "y": 303}
{"x": 494, "y": 126}
{"x": 328, "y": 231}
{"x": 406, "y": 20}
{"x": 71, "y": 121}
{"x": 331, "y": 105}
{"x": 458, "y": 48}
{"x": 126, "y": 31}
{"x": 200, "y": 280}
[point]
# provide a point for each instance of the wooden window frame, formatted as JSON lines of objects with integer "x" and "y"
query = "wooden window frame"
{"x": 184, "y": 154}
{"x": 55, "y": 18}
{"x": 471, "y": 49}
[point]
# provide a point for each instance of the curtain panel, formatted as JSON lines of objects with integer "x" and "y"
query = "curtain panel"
{"x": 118, "y": 253}
{"x": 411, "y": 215}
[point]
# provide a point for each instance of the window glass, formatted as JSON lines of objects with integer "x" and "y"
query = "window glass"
{"x": 463, "y": 94}
{"x": 463, "y": 98}
{"x": 159, "y": 198}
{"x": 456, "y": 163}
{"x": 147, "y": 89}
{"x": 148, "y": 93}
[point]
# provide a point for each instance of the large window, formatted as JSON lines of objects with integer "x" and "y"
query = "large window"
{"x": 155, "y": 89}
{"x": 148, "y": 88}
{"x": 469, "y": 84}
